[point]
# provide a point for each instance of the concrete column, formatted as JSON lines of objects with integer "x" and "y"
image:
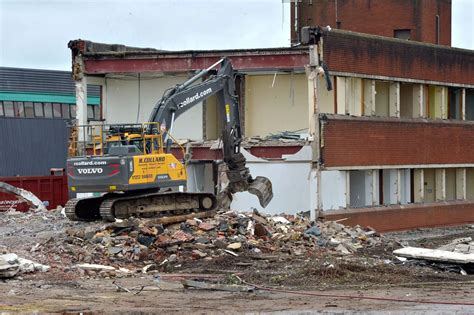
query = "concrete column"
{"x": 461, "y": 192}
{"x": 398, "y": 186}
{"x": 394, "y": 99}
{"x": 81, "y": 101}
{"x": 373, "y": 178}
{"x": 369, "y": 97}
{"x": 419, "y": 185}
{"x": 463, "y": 104}
{"x": 348, "y": 188}
{"x": 440, "y": 186}
{"x": 391, "y": 186}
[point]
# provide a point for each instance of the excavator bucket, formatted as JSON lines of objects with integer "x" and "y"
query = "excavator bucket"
{"x": 262, "y": 188}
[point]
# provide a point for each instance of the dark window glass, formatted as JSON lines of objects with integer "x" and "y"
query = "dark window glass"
{"x": 73, "y": 111}
{"x": 65, "y": 110}
{"x": 402, "y": 34}
{"x": 8, "y": 108}
{"x": 29, "y": 110}
{"x": 90, "y": 112}
{"x": 56, "y": 110}
{"x": 19, "y": 109}
{"x": 48, "y": 110}
{"x": 97, "y": 112}
{"x": 1, "y": 109}
{"x": 39, "y": 109}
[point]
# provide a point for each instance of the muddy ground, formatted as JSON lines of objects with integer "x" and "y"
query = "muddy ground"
{"x": 371, "y": 272}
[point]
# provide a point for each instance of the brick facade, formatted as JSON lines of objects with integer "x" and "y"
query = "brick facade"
{"x": 374, "y": 55}
{"x": 350, "y": 141}
{"x": 380, "y": 17}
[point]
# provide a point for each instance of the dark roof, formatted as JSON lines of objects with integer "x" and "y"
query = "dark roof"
{"x": 40, "y": 81}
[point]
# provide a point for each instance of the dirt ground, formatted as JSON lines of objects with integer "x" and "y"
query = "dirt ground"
{"x": 318, "y": 280}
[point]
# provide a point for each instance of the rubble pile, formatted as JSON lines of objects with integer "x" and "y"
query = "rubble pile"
{"x": 12, "y": 265}
{"x": 142, "y": 241}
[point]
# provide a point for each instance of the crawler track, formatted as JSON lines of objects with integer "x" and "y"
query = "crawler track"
{"x": 160, "y": 204}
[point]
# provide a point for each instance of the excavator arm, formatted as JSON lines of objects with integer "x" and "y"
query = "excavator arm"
{"x": 183, "y": 97}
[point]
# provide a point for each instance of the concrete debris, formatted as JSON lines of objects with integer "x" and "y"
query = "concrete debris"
{"x": 457, "y": 256}
{"x": 12, "y": 265}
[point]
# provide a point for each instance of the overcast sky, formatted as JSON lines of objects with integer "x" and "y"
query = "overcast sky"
{"x": 35, "y": 33}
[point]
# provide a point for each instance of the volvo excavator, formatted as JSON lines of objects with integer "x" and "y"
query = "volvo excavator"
{"x": 132, "y": 169}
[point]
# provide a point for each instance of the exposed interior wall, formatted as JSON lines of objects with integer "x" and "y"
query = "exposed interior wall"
{"x": 405, "y": 186}
{"x": 325, "y": 97}
{"x": 333, "y": 190}
{"x": 429, "y": 185}
{"x": 382, "y": 98}
{"x": 470, "y": 183}
{"x": 438, "y": 100}
{"x": 450, "y": 184}
{"x": 408, "y": 101}
{"x": 200, "y": 177}
{"x": 275, "y": 103}
{"x": 126, "y": 98}
{"x": 390, "y": 186}
{"x": 358, "y": 189}
{"x": 289, "y": 196}
{"x": 212, "y": 122}
{"x": 354, "y": 101}
{"x": 469, "y": 104}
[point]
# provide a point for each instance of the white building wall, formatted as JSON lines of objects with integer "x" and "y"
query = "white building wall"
{"x": 333, "y": 190}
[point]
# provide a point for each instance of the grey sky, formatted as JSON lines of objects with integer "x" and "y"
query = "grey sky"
{"x": 34, "y": 33}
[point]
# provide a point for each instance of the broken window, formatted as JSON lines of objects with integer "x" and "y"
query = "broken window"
{"x": 402, "y": 34}
{"x": 455, "y": 103}
{"x": 469, "y": 104}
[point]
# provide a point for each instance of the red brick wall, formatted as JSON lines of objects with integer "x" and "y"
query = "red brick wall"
{"x": 367, "y": 54}
{"x": 380, "y": 17}
{"x": 405, "y": 217}
{"x": 369, "y": 142}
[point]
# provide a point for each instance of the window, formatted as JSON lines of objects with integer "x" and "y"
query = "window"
{"x": 97, "y": 112}
{"x": 1, "y": 109}
{"x": 65, "y": 111}
{"x": 90, "y": 112}
{"x": 48, "y": 110}
{"x": 38, "y": 109}
{"x": 8, "y": 108}
{"x": 402, "y": 34}
{"x": 56, "y": 110}
{"x": 29, "y": 110}
{"x": 73, "y": 111}
{"x": 19, "y": 109}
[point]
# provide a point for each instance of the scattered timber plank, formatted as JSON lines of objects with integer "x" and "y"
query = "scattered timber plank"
{"x": 216, "y": 287}
{"x": 434, "y": 255}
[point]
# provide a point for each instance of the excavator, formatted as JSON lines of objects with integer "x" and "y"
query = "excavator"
{"x": 132, "y": 171}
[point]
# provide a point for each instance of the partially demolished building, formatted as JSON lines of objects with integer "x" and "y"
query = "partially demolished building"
{"x": 391, "y": 145}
